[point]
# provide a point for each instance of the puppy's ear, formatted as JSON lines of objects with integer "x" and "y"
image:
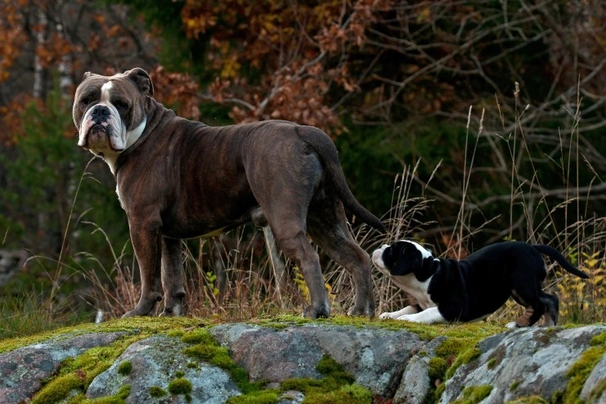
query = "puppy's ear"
{"x": 142, "y": 80}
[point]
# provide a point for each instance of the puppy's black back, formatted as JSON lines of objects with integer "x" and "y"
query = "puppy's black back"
{"x": 477, "y": 286}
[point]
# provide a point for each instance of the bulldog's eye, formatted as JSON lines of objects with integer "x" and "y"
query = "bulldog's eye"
{"x": 120, "y": 105}
{"x": 84, "y": 101}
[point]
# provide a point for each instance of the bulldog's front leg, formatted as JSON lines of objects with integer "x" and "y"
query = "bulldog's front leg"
{"x": 147, "y": 241}
{"x": 172, "y": 277}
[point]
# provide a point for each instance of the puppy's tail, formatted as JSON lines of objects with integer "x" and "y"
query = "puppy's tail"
{"x": 324, "y": 146}
{"x": 555, "y": 254}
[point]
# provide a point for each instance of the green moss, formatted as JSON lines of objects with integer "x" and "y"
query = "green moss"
{"x": 437, "y": 368}
{"x": 256, "y": 397}
{"x": 198, "y": 336}
{"x": 337, "y": 386}
{"x": 514, "y": 385}
{"x": 123, "y": 392}
{"x": 180, "y": 386}
{"x": 598, "y": 340}
{"x": 330, "y": 368}
{"x": 492, "y": 362}
{"x": 475, "y": 331}
{"x": 209, "y": 351}
{"x": 598, "y": 392}
{"x": 581, "y": 369}
{"x": 157, "y": 392}
{"x": 180, "y": 374}
{"x": 58, "y": 389}
{"x": 529, "y": 400}
{"x": 349, "y": 394}
{"x": 119, "y": 398}
{"x": 175, "y": 333}
{"x": 125, "y": 368}
{"x": 474, "y": 394}
{"x": 102, "y": 400}
{"x": 465, "y": 357}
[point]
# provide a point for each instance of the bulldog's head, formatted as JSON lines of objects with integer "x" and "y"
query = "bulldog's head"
{"x": 110, "y": 111}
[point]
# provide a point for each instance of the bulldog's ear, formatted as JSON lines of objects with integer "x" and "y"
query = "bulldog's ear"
{"x": 142, "y": 80}
{"x": 87, "y": 75}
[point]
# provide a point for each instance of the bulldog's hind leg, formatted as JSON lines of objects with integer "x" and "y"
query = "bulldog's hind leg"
{"x": 172, "y": 277}
{"x": 287, "y": 222}
{"x": 327, "y": 227}
{"x": 292, "y": 240}
{"x": 283, "y": 184}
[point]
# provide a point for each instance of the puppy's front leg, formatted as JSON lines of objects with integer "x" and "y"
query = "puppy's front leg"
{"x": 396, "y": 314}
{"x": 147, "y": 241}
{"x": 428, "y": 316}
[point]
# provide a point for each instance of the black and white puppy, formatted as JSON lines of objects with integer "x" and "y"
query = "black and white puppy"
{"x": 447, "y": 290}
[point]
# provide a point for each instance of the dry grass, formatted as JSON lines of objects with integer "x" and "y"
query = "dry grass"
{"x": 233, "y": 277}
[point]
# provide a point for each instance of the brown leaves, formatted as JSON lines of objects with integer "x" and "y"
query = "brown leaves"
{"x": 176, "y": 90}
{"x": 11, "y": 37}
{"x": 282, "y": 60}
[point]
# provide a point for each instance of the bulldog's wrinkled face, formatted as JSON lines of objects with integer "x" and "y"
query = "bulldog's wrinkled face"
{"x": 400, "y": 258}
{"x": 110, "y": 111}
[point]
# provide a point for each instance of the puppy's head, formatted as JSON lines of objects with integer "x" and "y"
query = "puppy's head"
{"x": 110, "y": 111}
{"x": 401, "y": 258}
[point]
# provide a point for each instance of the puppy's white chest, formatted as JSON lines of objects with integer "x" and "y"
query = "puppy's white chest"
{"x": 411, "y": 285}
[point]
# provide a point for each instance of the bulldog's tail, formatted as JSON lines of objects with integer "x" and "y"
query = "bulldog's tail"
{"x": 555, "y": 254}
{"x": 325, "y": 147}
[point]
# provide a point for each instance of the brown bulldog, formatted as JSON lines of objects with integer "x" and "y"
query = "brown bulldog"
{"x": 180, "y": 179}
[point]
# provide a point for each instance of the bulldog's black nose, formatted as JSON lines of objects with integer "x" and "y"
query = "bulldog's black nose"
{"x": 100, "y": 113}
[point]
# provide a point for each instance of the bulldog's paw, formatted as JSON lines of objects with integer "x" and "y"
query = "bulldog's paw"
{"x": 145, "y": 306}
{"x": 175, "y": 311}
{"x": 367, "y": 310}
{"x": 320, "y": 311}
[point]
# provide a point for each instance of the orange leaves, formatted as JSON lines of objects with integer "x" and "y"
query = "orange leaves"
{"x": 11, "y": 37}
{"x": 11, "y": 116}
{"x": 53, "y": 49}
{"x": 197, "y": 17}
{"x": 176, "y": 90}
{"x": 297, "y": 95}
{"x": 279, "y": 59}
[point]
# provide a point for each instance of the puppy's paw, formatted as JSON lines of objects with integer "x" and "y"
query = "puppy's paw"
{"x": 385, "y": 316}
{"x": 512, "y": 326}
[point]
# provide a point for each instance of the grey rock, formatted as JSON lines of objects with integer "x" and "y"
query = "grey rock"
{"x": 392, "y": 364}
{"x": 415, "y": 383}
{"x": 156, "y": 361}
{"x": 597, "y": 377}
{"x": 23, "y": 369}
{"x": 525, "y": 362}
{"x": 374, "y": 357}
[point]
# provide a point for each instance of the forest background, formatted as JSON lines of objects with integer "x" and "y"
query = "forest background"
{"x": 459, "y": 123}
